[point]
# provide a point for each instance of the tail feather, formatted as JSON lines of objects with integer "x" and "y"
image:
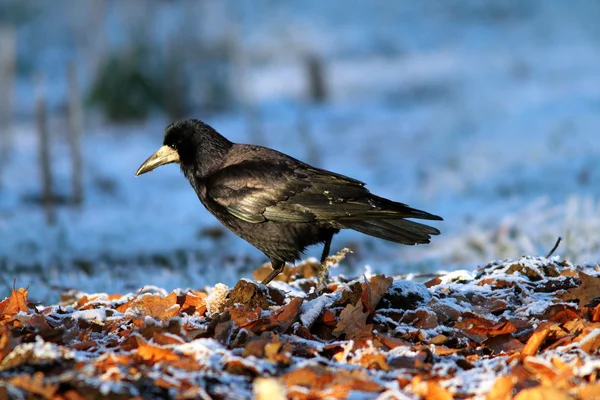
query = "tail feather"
{"x": 394, "y": 230}
{"x": 403, "y": 210}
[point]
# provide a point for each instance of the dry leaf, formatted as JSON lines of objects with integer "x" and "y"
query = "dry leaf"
{"x": 245, "y": 316}
{"x": 17, "y": 301}
{"x": 352, "y": 322}
{"x": 35, "y": 384}
{"x": 542, "y": 393}
{"x": 156, "y": 306}
{"x": 502, "y": 389}
{"x": 429, "y": 389}
{"x": 154, "y": 354}
{"x": 194, "y": 303}
{"x": 281, "y": 319}
{"x": 587, "y": 291}
{"x": 484, "y": 327}
{"x": 374, "y": 290}
{"x": 538, "y": 337}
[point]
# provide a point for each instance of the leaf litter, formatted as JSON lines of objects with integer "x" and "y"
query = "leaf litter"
{"x": 526, "y": 328}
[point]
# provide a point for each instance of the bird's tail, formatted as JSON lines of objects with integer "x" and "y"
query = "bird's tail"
{"x": 394, "y": 230}
{"x": 387, "y": 222}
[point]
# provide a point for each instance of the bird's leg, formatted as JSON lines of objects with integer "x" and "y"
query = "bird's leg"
{"x": 326, "y": 249}
{"x": 277, "y": 269}
{"x": 324, "y": 273}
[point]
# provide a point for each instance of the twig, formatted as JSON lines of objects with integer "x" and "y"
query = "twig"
{"x": 74, "y": 135}
{"x": 45, "y": 160}
{"x": 554, "y": 248}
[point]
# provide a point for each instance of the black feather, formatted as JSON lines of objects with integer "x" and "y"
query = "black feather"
{"x": 282, "y": 205}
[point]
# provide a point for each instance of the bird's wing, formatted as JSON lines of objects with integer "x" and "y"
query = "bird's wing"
{"x": 290, "y": 191}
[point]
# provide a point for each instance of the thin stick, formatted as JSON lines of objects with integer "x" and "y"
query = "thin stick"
{"x": 8, "y": 54}
{"x": 45, "y": 162}
{"x": 554, "y": 248}
{"x": 74, "y": 135}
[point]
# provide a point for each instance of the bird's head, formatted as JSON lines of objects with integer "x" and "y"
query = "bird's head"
{"x": 191, "y": 143}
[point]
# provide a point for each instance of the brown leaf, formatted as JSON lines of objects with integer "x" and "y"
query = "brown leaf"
{"x": 17, "y": 301}
{"x": 352, "y": 322}
{"x": 156, "y": 306}
{"x": 542, "y": 393}
{"x": 153, "y": 354}
{"x": 372, "y": 360}
{"x": 35, "y": 384}
{"x": 124, "y": 307}
{"x": 429, "y": 389}
{"x": 164, "y": 339}
{"x": 374, "y": 290}
{"x": 587, "y": 291}
{"x": 538, "y": 337}
{"x": 281, "y": 319}
{"x": 546, "y": 374}
{"x": 589, "y": 392}
{"x": 195, "y": 303}
{"x": 484, "y": 327}
{"x": 245, "y": 316}
{"x": 503, "y": 344}
{"x": 502, "y": 389}
{"x": 7, "y": 342}
{"x": 590, "y": 341}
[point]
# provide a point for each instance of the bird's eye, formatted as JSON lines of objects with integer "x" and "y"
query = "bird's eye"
{"x": 173, "y": 146}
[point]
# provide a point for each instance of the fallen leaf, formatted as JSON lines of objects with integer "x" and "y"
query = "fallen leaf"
{"x": 588, "y": 290}
{"x": 17, "y": 301}
{"x": 542, "y": 393}
{"x": 194, "y": 303}
{"x": 281, "y": 319}
{"x": 374, "y": 290}
{"x": 502, "y": 389}
{"x": 484, "y": 327}
{"x": 153, "y": 354}
{"x": 352, "y": 322}
{"x": 156, "y": 306}
{"x": 35, "y": 384}
{"x": 538, "y": 337}
{"x": 373, "y": 360}
{"x": 429, "y": 389}
{"x": 590, "y": 342}
{"x": 245, "y": 316}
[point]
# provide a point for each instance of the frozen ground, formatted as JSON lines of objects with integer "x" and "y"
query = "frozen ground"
{"x": 489, "y": 119}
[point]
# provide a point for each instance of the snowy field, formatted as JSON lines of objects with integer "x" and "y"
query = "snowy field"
{"x": 486, "y": 115}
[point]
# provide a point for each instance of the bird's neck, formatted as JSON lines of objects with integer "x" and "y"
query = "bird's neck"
{"x": 208, "y": 157}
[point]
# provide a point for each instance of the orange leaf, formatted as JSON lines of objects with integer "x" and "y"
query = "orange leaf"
{"x": 587, "y": 291}
{"x": 352, "y": 322}
{"x": 244, "y": 316}
{"x": 429, "y": 389}
{"x": 590, "y": 341}
{"x": 372, "y": 361}
{"x": 538, "y": 337}
{"x": 547, "y": 374}
{"x": 481, "y": 326}
{"x": 502, "y": 389}
{"x": 35, "y": 384}
{"x": 16, "y": 302}
{"x": 195, "y": 300}
{"x": 156, "y": 306}
{"x": 154, "y": 354}
{"x": 542, "y": 393}
{"x": 281, "y": 319}
{"x": 124, "y": 307}
{"x": 374, "y": 290}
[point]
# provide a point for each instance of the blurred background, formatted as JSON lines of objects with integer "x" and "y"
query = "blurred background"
{"x": 484, "y": 112}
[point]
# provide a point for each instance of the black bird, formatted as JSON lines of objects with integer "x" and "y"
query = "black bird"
{"x": 279, "y": 204}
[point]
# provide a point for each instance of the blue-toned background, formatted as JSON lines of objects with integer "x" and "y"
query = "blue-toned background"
{"x": 487, "y": 113}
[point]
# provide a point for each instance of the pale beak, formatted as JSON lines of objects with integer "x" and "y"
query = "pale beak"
{"x": 164, "y": 155}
